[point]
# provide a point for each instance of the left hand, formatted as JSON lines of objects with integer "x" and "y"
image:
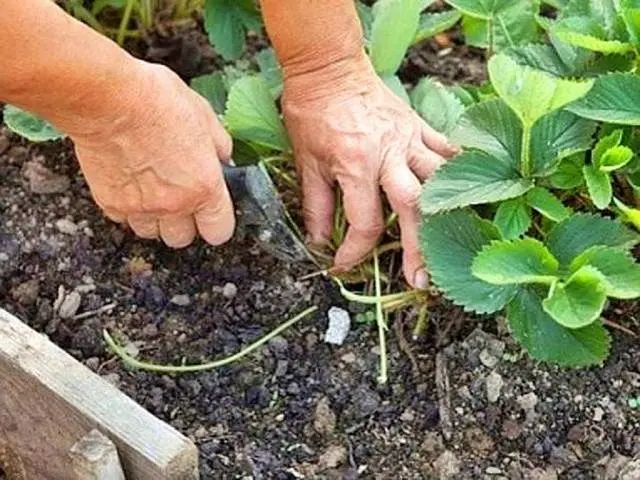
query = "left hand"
{"x": 349, "y": 128}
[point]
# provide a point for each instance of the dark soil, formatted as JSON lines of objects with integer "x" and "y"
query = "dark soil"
{"x": 301, "y": 408}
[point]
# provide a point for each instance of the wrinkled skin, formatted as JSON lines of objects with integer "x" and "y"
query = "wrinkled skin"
{"x": 362, "y": 138}
{"x": 157, "y": 168}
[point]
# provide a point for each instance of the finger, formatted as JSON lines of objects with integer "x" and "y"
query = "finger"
{"x": 403, "y": 191}
{"x": 115, "y": 216}
{"x": 424, "y": 162}
{"x": 318, "y": 202}
{"x": 363, "y": 209}
{"x": 222, "y": 140}
{"x": 215, "y": 219}
{"x": 144, "y": 226}
{"x": 437, "y": 142}
{"x": 177, "y": 231}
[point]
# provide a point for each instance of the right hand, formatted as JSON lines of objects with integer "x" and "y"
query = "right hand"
{"x": 155, "y": 163}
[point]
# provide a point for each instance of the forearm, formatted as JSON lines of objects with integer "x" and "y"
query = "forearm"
{"x": 319, "y": 37}
{"x": 57, "y": 67}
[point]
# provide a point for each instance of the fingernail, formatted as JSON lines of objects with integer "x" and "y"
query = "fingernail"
{"x": 453, "y": 148}
{"x": 421, "y": 280}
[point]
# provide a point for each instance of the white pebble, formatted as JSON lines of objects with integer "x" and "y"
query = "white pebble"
{"x": 67, "y": 227}
{"x": 229, "y": 291}
{"x": 70, "y": 305}
{"x": 339, "y": 326}
{"x": 181, "y": 300}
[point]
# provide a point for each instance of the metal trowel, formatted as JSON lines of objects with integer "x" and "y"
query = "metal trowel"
{"x": 261, "y": 215}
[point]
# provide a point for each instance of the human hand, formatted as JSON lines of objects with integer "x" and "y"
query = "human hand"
{"x": 349, "y": 128}
{"x": 155, "y": 163}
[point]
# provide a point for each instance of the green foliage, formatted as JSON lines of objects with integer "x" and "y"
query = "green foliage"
{"x": 515, "y": 262}
{"x": 394, "y": 27}
{"x": 513, "y": 218}
{"x": 599, "y": 186}
{"x": 227, "y": 23}
{"x": 251, "y": 115}
{"x": 450, "y": 242}
{"x": 615, "y": 98}
{"x": 212, "y": 87}
{"x": 472, "y": 178}
{"x": 29, "y": 125}
{"x": 532, "y": 93}
{"x": 431, "y": 24}
{"x": 440, "y": 108}
{"x": 547, "y": 204}
{"x": 547, "y": 340}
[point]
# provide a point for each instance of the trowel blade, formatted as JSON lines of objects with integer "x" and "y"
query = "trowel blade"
{"x": 261, "y": 215}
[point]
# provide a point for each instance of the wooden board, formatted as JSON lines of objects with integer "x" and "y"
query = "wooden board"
{"x": 49, "y": 401}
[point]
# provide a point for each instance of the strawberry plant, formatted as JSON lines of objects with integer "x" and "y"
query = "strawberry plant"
{"x": 508, "y": 224}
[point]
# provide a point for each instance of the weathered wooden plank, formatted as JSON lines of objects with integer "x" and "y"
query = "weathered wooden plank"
{"x": 95, "y": 457}
{"x": 49, "y": 401}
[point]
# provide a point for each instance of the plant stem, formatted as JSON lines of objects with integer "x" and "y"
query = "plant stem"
{"x": 421, "y": 322}
{"x": 380, "y": 319}
{"x": 525, "y": 155}
{"x": 126, "y": 17}
{"x": 152, "y": 367}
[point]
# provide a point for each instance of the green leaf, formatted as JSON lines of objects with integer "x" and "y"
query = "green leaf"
{"x": 212, "y": 88}
{"x": 270, "y": 71}
{"x": 29, "y": 125}
{"x": 628, "y": 214}
{"x": 485, "y": 9}
{"x": 395, "y": 23}
{"x": 432, "y": 24}
{"x": 548, "y": 341}
{"x": 604, "y": 144}
{"x": 599, "y": 186}
{"x": 532, "y": 93}
{"x": 471, "y": 178}
{"x": 449, "y": 243}
{"x": 226, "y": 23}
{"x": 621, "y": 273}
{"x": 513, "y": 218}
{"x": 510, "y": 27}
{"x": 630, "y": 12}
{"x": 252, "y": 115}
{"x": 541, "y": 57}
{"x": 545, "y": 202}
{"x": 440, "y": 108}
{"x": 462, "y": 94}
{"x": 396, "y": 86}
{"x": 578, "y": 302}
{"x": 586, "y": 32}
{"x": 568, "y": 175}
{"x": 615, "y": 98}
{"x": 556, "y": 136}
{"x": 581, "y": 231}
{"x": 506, "y": 262}
{"x": 99, "y": 5}
{"x": 492, "y": 127}
{"x": 615, "y": 158}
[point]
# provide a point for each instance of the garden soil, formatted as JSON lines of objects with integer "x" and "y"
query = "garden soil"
{"x": 462, "y": 402}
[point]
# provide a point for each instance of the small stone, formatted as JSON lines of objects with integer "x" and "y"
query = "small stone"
{"x": 365, "y": 401}
{"x": 528, "y": 403}
{"x": 92, "y": 363}
{"x": 67, "y": 227}
{"x": 70, "y": 305}
{"x": 279, "y": 346}
{"x": 349, "y": 357}
{"x": 511, "y": 430}
{"x": 493, "y": 471}
{"x": 150, "y": 330}
{"x": 494, "y": 385}
{"x": 479, "y": 441}
{"x": 432, "y": 444}
{"x": 631, "y": 471}
{"x": 598, "y": 413}
{"x": 333, "y": 457}
{"x": 339, "y": 326}
{"x": 324, "y": 419}
{"x": 487, "y": 359}
{"x": 540, "y": 474}
{"x": 229, "y": 291}
{"x": 408, "y": 415}
{"x": 447, "y": 466}
{"x": 181, "y": 300}
{"x": 201, "y": 432}
{"x": 562, "y": 457}
{"x": 26, "y": 293}
{"x": 43, "y": 181}
{"x": 614, "y": 466}
{"x": 578, "y": 433}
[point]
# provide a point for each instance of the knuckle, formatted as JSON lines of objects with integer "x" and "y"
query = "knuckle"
{"x": 406, "y": 197}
